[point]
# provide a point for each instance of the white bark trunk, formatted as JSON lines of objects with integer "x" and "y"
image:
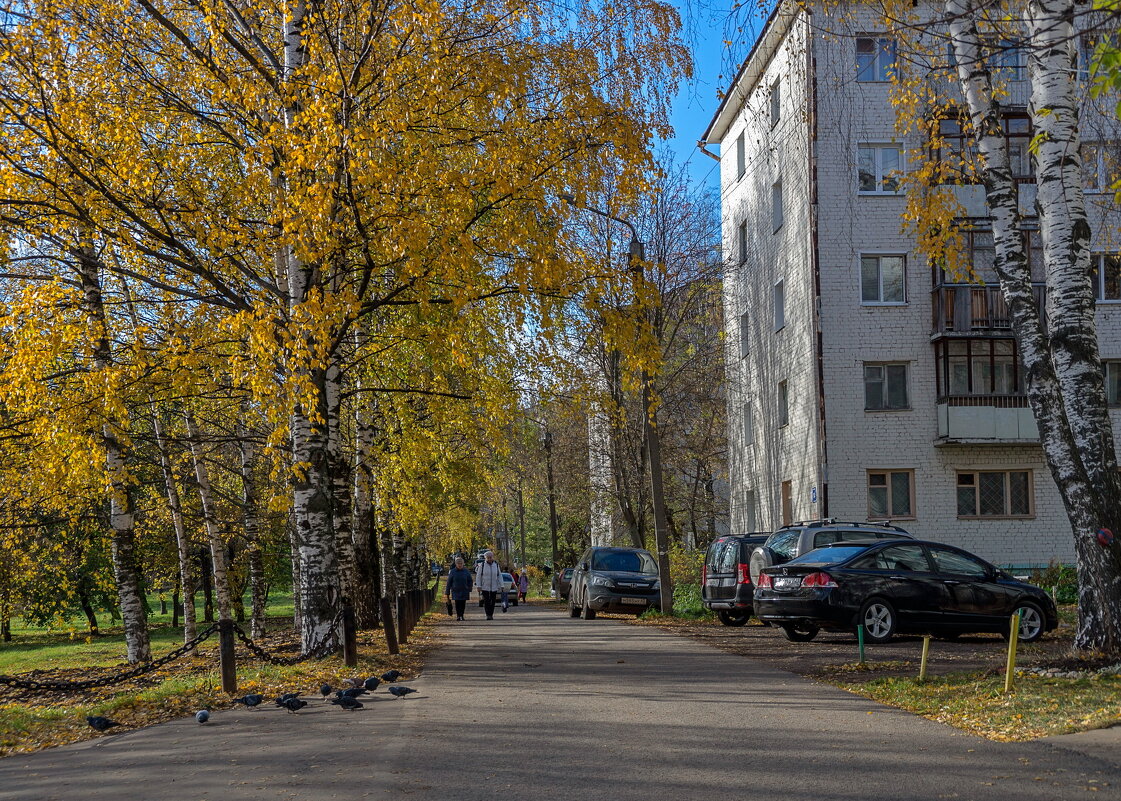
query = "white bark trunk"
{"x": 218, "y": 555}
{"x": 182, "y": 542}
{"x": 126, "y": 569}
{"x": 340, "y": 487}
{"x": 252, "y": 517}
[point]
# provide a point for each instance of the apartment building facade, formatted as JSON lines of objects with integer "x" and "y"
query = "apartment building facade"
{"x": 862, "y": 382}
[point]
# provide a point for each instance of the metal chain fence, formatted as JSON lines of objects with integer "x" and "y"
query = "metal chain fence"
{"x": 326, "y": 645}
{"x": 104, "y": 681}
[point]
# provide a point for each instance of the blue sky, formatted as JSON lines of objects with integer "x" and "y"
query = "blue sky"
{"x": 714, "y": 64}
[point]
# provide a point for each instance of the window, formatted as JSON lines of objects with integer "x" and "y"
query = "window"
{"x": 997, "y": 493}
{"x": 788, "y": 503}
{"x": 741, "y": 157}
{"x": 879, "y": 168}
{"x": 748, "y": 429}
{"x": 959, "y": 148}
{"x": 881, "y": 279}
{"x": 741, "y": 241}
{"x": 745, "y": 334}
{"x": 776, "y": 102}
{"x": 957, "y": 563}
{"x": 785, "y": 543}
{"x": 875, "y": 58}
{"x": 1100, "y": 166}
{"x": 1112, "y": 372}
{"x": 909, "y": 558}
{"x": 885, "y": 387}
{"x": 780, "y": 306}
{"x": 1006, "y": 59}
{"x": 776, "y": 204}
{"x": 972, "y": 367}
{"x": 891, "y": 494}
{"x": 1107, "y": 276}
{"x": 783, "y": 405}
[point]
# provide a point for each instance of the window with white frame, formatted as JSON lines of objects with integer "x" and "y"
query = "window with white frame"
{"x": 875, "y": 58}
{"x": 783, "y": 405}
{"x": 776, "y": 101}
{"x": 741, "y": 241}
{"x": 879, "y": 168}
{"x": 1112, "y": 370}
{"x": 1101, "y": 165}
{"x": 882, "y": 278}
{"x": 748, "y": 428}
{"x": 1106, "y": 276}
{"x": 745, "y": 334}
{"x": 995, "y": 493}
{"x": 891, "y": 494}
{"x": 776, "y": 204}
{"x": 780, "y": 305}
{"x": 741, "y": 157}
{"x": 885, "y": 387}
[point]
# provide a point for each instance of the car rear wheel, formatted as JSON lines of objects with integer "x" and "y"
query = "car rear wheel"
{"x": 878, "y": 618}
{"x": 1031, "y": 622}
{"x": 760, "y": 558}
{"x": 573, "y": 609}
{"x": 586, "y": 612}
{"x": 734, "y": 617}
{"x": 799, "y": 632}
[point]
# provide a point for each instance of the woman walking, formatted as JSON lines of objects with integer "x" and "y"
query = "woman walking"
{"x": 523, "y": 584}
{"x": 459, "y": 587}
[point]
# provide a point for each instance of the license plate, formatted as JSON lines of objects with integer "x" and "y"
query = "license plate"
{"x": 787, "y": 582}
{"x": 636, "y": 601}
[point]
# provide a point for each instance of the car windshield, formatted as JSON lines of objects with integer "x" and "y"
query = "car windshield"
{"x": 507, "y": 577}
{"x": 830, "y": 555}
{"x": 625, "y": 562}
{"x": 568, "y": 572}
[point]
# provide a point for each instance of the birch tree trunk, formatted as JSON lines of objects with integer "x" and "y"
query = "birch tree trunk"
{"x": 182, "y": 543}
{"x": 126, "y": 570}
{"x": 294, "y": 561}
{"x": 252, "y": 517}
{"x": 219, "y": 563}
{"x": 1063, "y": 368}
{"x": 341, "y": 499}
{"x": 367, "y": 589}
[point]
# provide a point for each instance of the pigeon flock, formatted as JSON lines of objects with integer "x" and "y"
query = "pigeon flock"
{"x": 346, "y": 698}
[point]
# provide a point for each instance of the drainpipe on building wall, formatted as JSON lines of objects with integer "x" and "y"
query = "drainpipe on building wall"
{"x": 822, "y": 510}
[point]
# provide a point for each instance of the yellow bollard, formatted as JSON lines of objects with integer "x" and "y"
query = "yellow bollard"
{"x": 1013, "y": 641}
{"x": 925, "y": 651}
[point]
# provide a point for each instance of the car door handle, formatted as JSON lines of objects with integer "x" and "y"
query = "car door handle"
{"x": 898, "y": 576}
{"x": 950, "y": 581}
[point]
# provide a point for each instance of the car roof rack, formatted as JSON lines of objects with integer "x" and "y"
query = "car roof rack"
{"x": 833, "y": 522}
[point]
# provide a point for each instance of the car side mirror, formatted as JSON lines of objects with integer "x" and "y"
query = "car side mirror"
{"x": 584, "y": 566}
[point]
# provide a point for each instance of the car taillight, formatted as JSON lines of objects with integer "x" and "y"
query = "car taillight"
{"x": 745, "y": 574}
{"x": 704, "y": 575}
{"x": 764, "y": 581}
{"x": 818, "y": 580}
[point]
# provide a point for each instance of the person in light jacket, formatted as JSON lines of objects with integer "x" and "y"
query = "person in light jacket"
{"x": 523, "y": 584}
{"x": 488, "y": 578}
{"x": 459, "y": 587}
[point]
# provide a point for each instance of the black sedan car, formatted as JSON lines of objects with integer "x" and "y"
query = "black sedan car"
{"x": 894, "y": 586}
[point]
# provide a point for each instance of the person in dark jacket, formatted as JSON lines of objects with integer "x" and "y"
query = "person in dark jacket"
{"x": 459, "y": 587}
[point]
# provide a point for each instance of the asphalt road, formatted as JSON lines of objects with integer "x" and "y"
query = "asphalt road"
{"x": 535, "y": 706}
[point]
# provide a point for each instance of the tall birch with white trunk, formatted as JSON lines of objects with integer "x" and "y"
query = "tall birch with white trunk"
{"x": 1061, "y": 361}
{"x": 218, "y": 555}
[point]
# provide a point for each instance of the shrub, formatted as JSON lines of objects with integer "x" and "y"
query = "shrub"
{"x": 1060, "y": 580}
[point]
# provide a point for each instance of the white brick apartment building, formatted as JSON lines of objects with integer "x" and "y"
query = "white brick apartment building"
{"x": 863, "y": 384}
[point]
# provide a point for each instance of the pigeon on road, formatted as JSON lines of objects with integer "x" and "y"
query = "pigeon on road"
{"x": 293, "y": 704}
{"x": 325, "y": 690}
{"x": 391, "y": 675}
{"x": 347, "y": 702}
{"x": 202, "y": 716}
{"x": 280, "y": 701}
{"x": 401, "y": 692}
{"x": 100, "y": 723}
{"x": 250, "y": 700}
{"x": 352, "y": 692}
{"x": 371, "y": 684}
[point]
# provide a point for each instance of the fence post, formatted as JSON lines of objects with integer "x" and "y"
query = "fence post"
{"x": 402, "y": 619}
{"x": 226, "y": 661}
{"x": 387, "y": 624}
{"x": 350, "y": 636}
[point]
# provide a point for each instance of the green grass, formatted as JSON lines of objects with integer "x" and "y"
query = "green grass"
{"x": 68, "y": 644}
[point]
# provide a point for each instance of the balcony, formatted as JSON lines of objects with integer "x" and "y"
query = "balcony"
{"x": 971, "y": 309}
{"x": 986, "y": 419}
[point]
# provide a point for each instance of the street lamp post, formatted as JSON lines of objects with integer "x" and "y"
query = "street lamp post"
{"x": 636, "y": 262}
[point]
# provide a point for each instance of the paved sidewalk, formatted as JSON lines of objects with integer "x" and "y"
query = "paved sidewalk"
{"x": 539, "y": 706}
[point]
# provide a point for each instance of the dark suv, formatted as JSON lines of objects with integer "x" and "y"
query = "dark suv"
{"x": 613, "y": 580}
{"x": 726, "y": 586}
{"x": 799, "y": 538}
